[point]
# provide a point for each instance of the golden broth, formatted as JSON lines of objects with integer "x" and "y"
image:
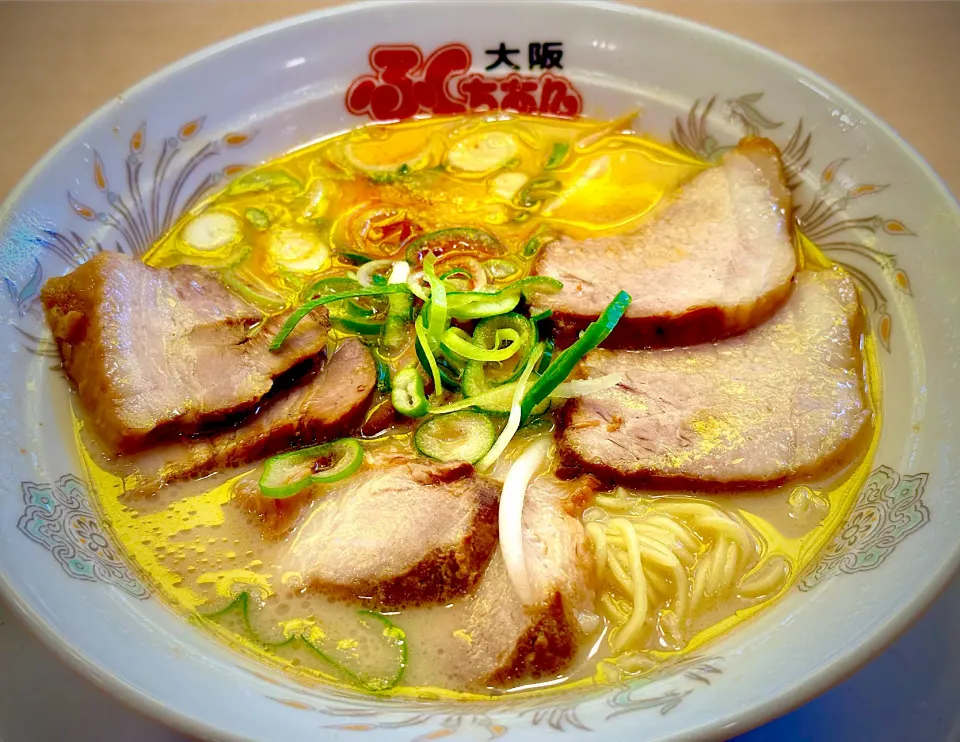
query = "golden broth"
{"x": 368, "y": 191}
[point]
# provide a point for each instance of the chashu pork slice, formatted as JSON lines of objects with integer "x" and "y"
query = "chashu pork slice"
{"x": 714, "y": 260}
{"x": 324, "y": 406}
{"x": 164, "y": 350}
{"x": 782, "y": 400}
{"x": 504, "y": 640}
{"x": 407, "y": 532}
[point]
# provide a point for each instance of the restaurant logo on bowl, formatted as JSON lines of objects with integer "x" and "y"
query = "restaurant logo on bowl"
{"x": 404, "y": 84}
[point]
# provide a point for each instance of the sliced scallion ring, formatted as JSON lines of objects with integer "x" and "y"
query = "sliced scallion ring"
{"x": 289, "y": 473}
{"x": 486, "y": 336}
{"x": 294, "y": 319}
{"x": 407, "y": 395}
{"x": 478, "y": 304}
{"x": 459, "y": 436}
{"x": 560, "y": 369}
{"x": 424, "y": 343}
{"x": 456, "y": 341}
{"x": 460, "y": 239}
{"x": 374, "y": 267}
{"x": 437, "y": 307}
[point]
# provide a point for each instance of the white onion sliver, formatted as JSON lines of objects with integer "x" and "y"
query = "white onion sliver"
{"x": 415, "y": 283}
{"x": 511, "y": 516}
{"x": 400, "y": 272}
{"x": 583, "y": 387}
{"x": 367, "y": 270}
{"x": 513, "y": 421}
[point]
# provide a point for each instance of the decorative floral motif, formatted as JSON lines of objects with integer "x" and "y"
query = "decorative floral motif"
{"x": 140, "y": 220}
{"x": 136, "y": 218}
{"x": 889, "y": 509}
{"x": 558, "y": 711}
{"x": 847, "y": 240}
{"x": 59, "y": 518}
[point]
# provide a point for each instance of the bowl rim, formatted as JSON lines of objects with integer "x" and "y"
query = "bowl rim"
{"x": 787, "y": 697}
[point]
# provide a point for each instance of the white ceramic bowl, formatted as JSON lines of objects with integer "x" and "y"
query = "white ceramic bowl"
{"x": 129, "y": 169}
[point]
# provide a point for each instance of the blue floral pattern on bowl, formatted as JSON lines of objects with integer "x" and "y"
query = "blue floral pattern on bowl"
{"x": 59, "y": 517}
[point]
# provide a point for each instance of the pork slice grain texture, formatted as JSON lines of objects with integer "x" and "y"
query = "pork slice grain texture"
{"x": 785, "y": 399}
{"x": 165, "y": 350}
{"x": 327, "y": 405}
{"x": 715, "y": 259}
{"x": 407, "y": 532}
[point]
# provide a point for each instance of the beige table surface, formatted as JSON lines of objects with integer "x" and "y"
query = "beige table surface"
{"x": 59, "y": 61}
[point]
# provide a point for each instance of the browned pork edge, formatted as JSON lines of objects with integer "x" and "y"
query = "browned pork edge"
{"x": 688, "y": 328}
{"x": 544, "y": 638}
{"x": 545, "y": 648}
{"x": 159, "y": 352}
{"x": 440, "y": 573}
{"x": 329, "y": 405}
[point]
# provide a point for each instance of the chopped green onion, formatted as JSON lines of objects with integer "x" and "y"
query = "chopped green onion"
{"x": 339, "y": 654}
{"x": 459, "y": 436}
{"x": 353, "y": 258}
{"x": 367, "y": 274}
{"x": 500, "y": 269}
{"x": 437, "y": 307}
{"x": 557, "y": 155}
{"x": 497, "y": 400}
{"x": 466, "y": 239}
{"x": 474, "y": 379}
{"x": 449, "y": 352}
{"x": 485, "y": 336}
{"x": 257, "y": 217}
{"x": 212, "y": 230}
{"x": 537, "y": 190}
{"x": 424, "y": 342}
{"x": 289, "y": 473}
{"x": 241, "y": 604}
{"x": 478, "y": 304}
{"x": 453, "y": 273}
{"x": 540, "y": 316}
{"x": 362, "y": 325}
{"x": 264, "y": 180}
{"x": 415, "y": 284}
{"x": 538, "y": 285}
{"x": 408, "y": 396}
{"x": 482, "y": 152}
{"x": 498, "y": 397}
{"x": 560, "y": 369}
{"x": 450, "y": 375}
{"x": 548, "y": 352}
{"x": 516, "y": 413}
{"x": 332, "y": 285}
{"x": 536, "y": 243}
{"x": 294, "y": 319}
{"x": 252, "y": 289}
{"x": 396, "y": 335}
{"x": 456, "y": 342}
{"x": 343, "y": 656}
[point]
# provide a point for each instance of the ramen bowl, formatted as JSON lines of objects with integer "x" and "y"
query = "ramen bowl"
{"x": 125, "y": 174}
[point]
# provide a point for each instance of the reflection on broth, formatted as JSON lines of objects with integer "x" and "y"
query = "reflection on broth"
{"x": 386, "y": 565}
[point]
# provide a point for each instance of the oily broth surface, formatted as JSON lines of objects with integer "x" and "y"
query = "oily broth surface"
{"x": 368, "y": 191}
